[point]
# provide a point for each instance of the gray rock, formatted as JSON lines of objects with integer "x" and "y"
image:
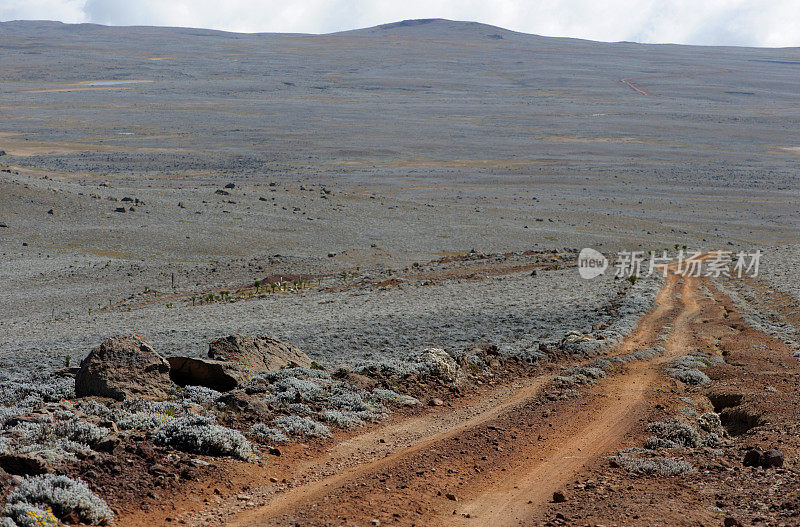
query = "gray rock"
{"x": 234, "y": 360}
{"x": 123, "y": 367}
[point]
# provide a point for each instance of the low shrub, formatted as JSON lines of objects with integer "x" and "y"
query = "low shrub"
{"x": 80, "y": 432}
{"x": 672, "y": 433}
{"x": 200, "y": 395}
{"x": 198, "y": 434}
{"x": 26, "y": 515}
{"x": 692, "y": 377}
{"x": 265, "y": 433}
{"x": 654, "y": 466}
{"x": 296, "y": 425}
{"x": 343, "y": 419}
{"x": 394, "y": 397}
{"x": 292, "y": 389}
{"x": 64, "y": 496}
{"x": 142, "y": 421}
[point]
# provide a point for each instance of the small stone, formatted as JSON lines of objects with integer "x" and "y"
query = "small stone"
{"x": 3, "y": 225}
{"x": 120, "y": 209}
{"x": 450, "y": 496}
{"x": 435, "y": 402}
{"x": 772, "y": 458}
{"x": 331, "y": 255}
{"x": 559, "y": 497}
{"x": 730, "y": 521}
{"x": 273, "y": 480}
{"x": 376, "y": 523}
{"x": 230, "y": 185}
{"x": 753, "y": 457}
{"x": 51, "y": 212}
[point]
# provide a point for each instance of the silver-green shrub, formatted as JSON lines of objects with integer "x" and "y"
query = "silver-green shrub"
{"x": 63, "y": 496}
{"x": 266, "y": 433}
{"x": 199, "y": 434}
{"x": 672, "y": 433}
{"x": 654, "y": 466}
{"x": 296, "y": 425}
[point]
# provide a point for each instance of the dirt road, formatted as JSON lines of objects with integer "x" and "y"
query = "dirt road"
{"x": 492, "y": 460}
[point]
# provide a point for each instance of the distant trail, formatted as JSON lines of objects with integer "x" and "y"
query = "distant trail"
{"x": 634, "y": 87}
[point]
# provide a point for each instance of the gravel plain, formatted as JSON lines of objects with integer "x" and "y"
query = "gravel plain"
{"x": 187, "y": 161}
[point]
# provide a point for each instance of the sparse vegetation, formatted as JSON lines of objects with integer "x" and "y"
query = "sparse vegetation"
{"x": 672, "y": 433}
{"x": 653, "y": 466}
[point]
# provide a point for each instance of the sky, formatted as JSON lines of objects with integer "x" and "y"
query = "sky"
{"x": 767, "y": 23}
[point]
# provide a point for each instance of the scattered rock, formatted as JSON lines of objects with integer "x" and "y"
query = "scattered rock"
{"x": 107, "y": 444}
{"x": 257, "y": 385}
{"x": 331, "y": 255}
{"x": 120, "y": 209}
{"x": 181, "y": 205}
{"x": 362, "y": 382}
{"x": 3, "y": 225}
{"x": 450, "y": 496}
{"x": 223, "y": 192}
{"x": 752, "y": 457}
{"x": 772, "y": 459}
{"x": 435, "y": 402}
{"x": 249, "y": 404}
{"x": 123, "y": 367}
{"x": 730, "y": 521}
{"x": 51, "y": 212}
{"x": 3, "y": 153}
{"x": 230, "y": 185}
{"x": 234, "y": 360}
{"x": 559, "y": 497}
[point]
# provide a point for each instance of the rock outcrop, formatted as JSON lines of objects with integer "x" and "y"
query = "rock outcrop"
{"x": 234, "y": 360}
{"x": 123, "y": 367}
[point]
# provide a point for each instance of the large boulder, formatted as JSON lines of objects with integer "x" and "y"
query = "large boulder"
{"x": 123, "y": 367}
{"x": 234, "y": 360}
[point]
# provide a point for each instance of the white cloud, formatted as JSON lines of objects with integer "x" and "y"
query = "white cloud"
{"x": 720, "y": 22}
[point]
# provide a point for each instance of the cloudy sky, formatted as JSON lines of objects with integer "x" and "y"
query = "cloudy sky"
{"x": 723, "y": 22}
